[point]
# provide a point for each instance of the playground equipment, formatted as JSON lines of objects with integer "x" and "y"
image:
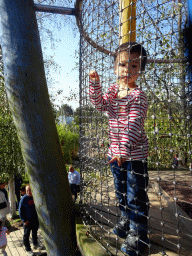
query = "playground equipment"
{"x": 160, "y": 27}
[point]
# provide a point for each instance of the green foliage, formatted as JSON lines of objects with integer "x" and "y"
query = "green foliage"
{"x": 167, "y": 125}
{"x": 72, "y": 127}
{"x": 87, "y": 114}
{"x": 10, "y": 150}
{"x": 69, "y": 143}
{"x": 25, "y": 178}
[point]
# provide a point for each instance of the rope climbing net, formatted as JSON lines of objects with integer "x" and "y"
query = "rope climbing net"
{"x": 158, "y": 26}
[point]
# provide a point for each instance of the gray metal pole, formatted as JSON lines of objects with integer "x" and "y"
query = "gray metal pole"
{"x": 54, "y": 9}
{"x": 29, "y": 102}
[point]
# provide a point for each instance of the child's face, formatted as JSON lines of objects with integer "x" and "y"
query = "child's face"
{"x": 127, "y": 67}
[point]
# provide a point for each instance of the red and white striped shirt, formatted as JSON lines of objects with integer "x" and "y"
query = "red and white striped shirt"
{"x": 127, "y": 137}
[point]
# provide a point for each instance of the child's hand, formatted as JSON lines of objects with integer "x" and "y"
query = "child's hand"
{"x": 94, "y": 76}
{"x": 120, "y": 160}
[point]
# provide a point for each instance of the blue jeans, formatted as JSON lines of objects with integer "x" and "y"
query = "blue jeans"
{"x": 33, "y": 225}
{"x": 131, "y": 182}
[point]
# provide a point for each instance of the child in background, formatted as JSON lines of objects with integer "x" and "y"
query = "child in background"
{"x": 175, "y": 161}
{"x": 3, "y": 238}
{"x": 126, "y": 106}
{"x": 22, "y": 191}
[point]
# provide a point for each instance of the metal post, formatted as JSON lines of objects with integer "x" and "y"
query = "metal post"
{"x": 30, "y": 105}
{"x": 54, "y": 9}
{"x": 127, "y": 21}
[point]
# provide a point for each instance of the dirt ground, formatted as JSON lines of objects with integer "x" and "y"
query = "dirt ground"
{"x": 183, "y": 191}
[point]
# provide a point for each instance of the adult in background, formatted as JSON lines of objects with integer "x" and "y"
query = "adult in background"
{"x": 74, "y": 181}
{"x": 18, "y": 182}
{"x": 4, "y": 202}
{"x": 28, "y": 215}
{"x": 3, "y": 189}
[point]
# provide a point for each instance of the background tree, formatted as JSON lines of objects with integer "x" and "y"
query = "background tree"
{"x": 69, "y": 141}
{"x": 35, "y": 124}
{"x": 65, "y": 110}
{"x": 11, "y": 159}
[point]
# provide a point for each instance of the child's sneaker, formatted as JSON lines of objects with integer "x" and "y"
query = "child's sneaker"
{"x": 135, "y": 244}
{"x": 122, "y": 228}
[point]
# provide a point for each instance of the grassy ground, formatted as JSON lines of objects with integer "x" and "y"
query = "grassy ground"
{"x": 13, "y": 223}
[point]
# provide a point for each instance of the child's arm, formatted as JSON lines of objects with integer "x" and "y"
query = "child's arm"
{"x": 95, "y": 92}
{"x": 21, "y": 211}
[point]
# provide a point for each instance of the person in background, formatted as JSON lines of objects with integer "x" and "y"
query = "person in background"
{"x": 4, "y": 203}
{"x": 74, "y": 181}
{"x": 18, "y": 182}
{"x": 3, "y": 238}
{"x": 175, "y": 162}
{"x": 3, "y": 189}
{"x": 22, "y": 191}
{"x": 28, "y": 215}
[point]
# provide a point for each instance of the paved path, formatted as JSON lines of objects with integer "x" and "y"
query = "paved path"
{"x": 15, "y": 245}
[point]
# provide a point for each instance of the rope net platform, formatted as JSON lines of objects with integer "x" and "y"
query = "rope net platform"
{"x": 159, "y": 26}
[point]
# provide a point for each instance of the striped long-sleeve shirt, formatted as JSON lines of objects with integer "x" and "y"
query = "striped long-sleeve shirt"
{"x": 126, "y": 133}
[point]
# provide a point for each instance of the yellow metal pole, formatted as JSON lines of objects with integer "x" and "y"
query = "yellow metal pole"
{"x": 127, "y": 21}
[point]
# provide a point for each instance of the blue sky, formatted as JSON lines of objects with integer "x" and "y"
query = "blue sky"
{"x": 67, "y": 77}
{"x": 64, "y": 52}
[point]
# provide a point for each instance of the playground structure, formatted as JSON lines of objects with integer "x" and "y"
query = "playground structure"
{"x": 159, "y": 26}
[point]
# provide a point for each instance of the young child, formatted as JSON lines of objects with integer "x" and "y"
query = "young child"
{"x": 3, "y": 238}
{"x": 126, "y": 106}
{"x": 175, "y": 161}
{"x": 22, "y": 191}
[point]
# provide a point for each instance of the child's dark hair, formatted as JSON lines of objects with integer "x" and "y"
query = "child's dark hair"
{"x": 1, "y": 223}
{"x": 132, "y": 47}
{"x": 22, "y": 189}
